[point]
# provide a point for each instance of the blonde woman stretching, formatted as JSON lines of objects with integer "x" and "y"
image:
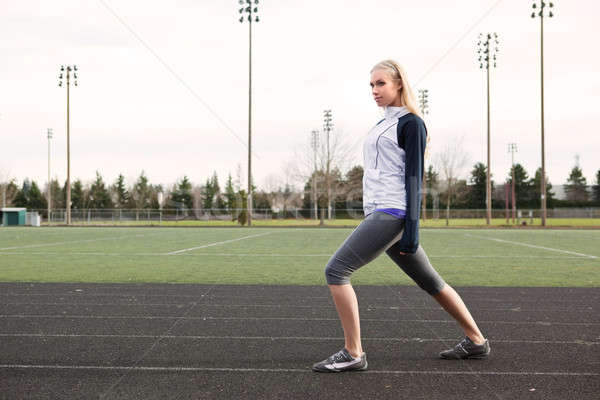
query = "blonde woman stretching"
{"x": 393, "y": 172}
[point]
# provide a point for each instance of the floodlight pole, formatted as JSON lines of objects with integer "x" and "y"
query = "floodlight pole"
{"x": 49, "y": 183}
{"x": 315, "y": 144}
{"x": 327, "y": 126}
{"x": 251, "y": 17}
{"x": 487, "y": 53}
{"x": 67, "y": 70}
{"x": 512, "y": 148}
{"x": 540, "y": 14}
{"x": 424, "y": 106}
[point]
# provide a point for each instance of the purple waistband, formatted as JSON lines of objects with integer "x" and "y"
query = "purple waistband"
{"x": 396, "y": 212}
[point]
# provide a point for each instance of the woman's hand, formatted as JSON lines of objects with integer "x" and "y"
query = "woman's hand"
{"x": 402, "y": 254}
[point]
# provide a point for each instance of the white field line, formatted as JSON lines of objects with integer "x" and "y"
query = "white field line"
{"x": 217, "y": 243}
{"x": 84, "y": 253}
{"x": 307, "y": 338}
{"x": 208, "y": 318}
{"x": 533, "y": 246}
{"x": 287, "y": 370}
{"x": 75, "y": 241}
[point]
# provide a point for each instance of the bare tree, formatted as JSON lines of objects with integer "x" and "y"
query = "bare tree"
{"x": 301, "y": 167}
{"x": 451, "y": 160}
{"x": 4, "y": 182}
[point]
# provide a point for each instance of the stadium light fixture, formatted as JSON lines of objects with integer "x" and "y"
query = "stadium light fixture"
{"x": 251, "y": 16}
{"x": 328, "y": 127}
{"x": 487, "y": 46}
{"x": 67, "y": 70}
{"x": 424, "y": 106}
{"x": 542, "y": 7}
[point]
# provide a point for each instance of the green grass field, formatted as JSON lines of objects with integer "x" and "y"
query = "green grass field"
{"x": 464, "y": 257}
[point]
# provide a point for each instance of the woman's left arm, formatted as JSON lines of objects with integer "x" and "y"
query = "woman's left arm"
{"x": 414, "y": 135}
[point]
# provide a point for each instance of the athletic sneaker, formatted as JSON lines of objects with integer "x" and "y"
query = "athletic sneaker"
{"x": 340, "y": 362}
{"x": 467, "y": 349}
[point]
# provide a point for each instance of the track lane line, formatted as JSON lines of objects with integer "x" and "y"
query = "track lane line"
{"x": 149, "y": 317}
{"x": 293, "y": 370}
{"x": 295, "y": 338}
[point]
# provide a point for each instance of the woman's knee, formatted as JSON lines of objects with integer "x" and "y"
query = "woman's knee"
{"x": 337, "y": 273}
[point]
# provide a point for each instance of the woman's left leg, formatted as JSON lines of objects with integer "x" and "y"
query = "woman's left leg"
{"x": 453, "y": 304}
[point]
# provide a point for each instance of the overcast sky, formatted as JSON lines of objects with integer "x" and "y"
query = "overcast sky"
{"x": 163, "y": 85}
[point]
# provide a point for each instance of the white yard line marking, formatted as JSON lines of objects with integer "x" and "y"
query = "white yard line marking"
{"x": 207, "y": 318}
{"x": 86, "y": 253}
{"x": 533, "y": 246}
{"x": 217, "y": 243}
{"x": 308, "y": 338}
{"x": 293, "y": 370}
{"x": 75, "y": 241}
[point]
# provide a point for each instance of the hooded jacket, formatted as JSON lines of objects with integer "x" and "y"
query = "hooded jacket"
{"x": 393, "y": 154}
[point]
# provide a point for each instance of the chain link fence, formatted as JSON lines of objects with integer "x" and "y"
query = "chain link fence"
{"x": 120, "y": 216}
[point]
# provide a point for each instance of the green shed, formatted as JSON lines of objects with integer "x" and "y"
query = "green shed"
{"x": 12, "y": 216}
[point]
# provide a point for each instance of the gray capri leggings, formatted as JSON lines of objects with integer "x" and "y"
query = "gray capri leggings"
{"x": 377, "y": 233}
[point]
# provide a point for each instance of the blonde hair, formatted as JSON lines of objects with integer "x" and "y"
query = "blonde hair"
{"x": 396, "y": 72}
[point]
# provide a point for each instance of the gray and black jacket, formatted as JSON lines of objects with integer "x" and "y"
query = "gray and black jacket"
{"x": 393, "y": 169}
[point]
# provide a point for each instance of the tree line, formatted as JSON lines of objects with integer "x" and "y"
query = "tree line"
{"x": 346, "y": 192}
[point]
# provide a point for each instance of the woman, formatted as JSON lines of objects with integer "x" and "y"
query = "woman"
{"x": 393, "y": 172}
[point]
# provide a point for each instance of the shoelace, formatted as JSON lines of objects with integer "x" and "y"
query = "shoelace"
{"x": 461, "y": 346}
{"x": 339, "y": 356}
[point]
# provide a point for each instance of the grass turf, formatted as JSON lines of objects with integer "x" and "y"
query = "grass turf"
{"x": 290, "y": 256}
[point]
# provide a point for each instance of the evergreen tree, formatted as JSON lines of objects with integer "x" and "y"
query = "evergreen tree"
{"x": 30, "y": 197}
{"x": 477, "y": 191}
{"x": 98, "y": 195}
{"x": 432, "y": 178}
{"x": 22, "y": 197}
{"x": 535, "y": 200}
{"x": 230, "y": 198}
{"x": 36, "y": 200}
{"x": 242, "y": 216}
{"x": 218, "y": 201}
{"x": 596, "y": 189}
{"x": 141, "y": 193}
{"x": 57, "y": 195}
{"x": 77, "y": 195}
{"x": 354, "y": 195}
{"x": 209, "y": 195}
{"x": 576, "y": 188}
{"x": 122, "y": 197}
{"x": 522, "y": 185}
{"x": 183, "y": 193}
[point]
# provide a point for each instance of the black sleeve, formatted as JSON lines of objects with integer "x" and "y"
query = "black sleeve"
{"x": 412, "y": 137}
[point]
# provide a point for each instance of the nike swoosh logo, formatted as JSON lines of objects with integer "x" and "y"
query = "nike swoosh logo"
{"x": 342, "y": 364}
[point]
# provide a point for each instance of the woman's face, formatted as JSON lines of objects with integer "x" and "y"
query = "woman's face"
{"x": 386, "y": 91}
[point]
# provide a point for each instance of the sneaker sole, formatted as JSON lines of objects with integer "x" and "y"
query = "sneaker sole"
{"x": 474, "y": 356}
{"x": 327, "y": 370}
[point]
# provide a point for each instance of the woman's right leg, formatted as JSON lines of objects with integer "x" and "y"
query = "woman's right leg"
{"x": 346, "y": 305}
